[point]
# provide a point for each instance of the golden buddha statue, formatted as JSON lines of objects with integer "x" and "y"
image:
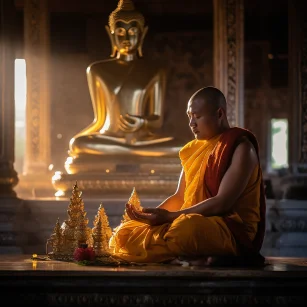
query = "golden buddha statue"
{"x": 127, "y": 93}
{"x": 123, "y": 147}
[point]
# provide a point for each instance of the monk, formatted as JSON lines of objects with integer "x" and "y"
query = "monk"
{"x": 217, "y": 214}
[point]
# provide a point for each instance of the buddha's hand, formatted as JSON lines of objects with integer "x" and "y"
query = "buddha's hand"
{"x": 150, "y": 216}
{"x": 131, "y": 123}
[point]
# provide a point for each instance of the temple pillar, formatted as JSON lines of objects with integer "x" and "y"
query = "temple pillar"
{"x": 8, "y": 175}
{"x": 229, "y": 56}
{"x": 290, "y": 221}
{"x": 10, "y": 205}
{"x": 36, "y": 177}
{"x": 295, "y": 184}
{"x": 298, "y": 85}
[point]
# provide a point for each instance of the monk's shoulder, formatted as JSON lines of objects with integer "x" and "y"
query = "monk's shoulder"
{"x": 245, "y": 151}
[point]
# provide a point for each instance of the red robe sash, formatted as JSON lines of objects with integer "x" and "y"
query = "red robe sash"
{"x": 218, "y": 164}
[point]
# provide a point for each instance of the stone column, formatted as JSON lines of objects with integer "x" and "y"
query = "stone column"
{"x": 298, "y": 85}
{"x": 10, "y": 205}
{"x": 229, "y": 56}
{"x": 36, "y": 49}
{"x": 8, "y": 175}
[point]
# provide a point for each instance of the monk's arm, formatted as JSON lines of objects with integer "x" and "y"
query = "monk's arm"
{"x": 175, "y": 201}
{"x": 234, "y": 182}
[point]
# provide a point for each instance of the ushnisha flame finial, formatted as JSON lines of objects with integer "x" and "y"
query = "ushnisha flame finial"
{"x": 125, "y": 12}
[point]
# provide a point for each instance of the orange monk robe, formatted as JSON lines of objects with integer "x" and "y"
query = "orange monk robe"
{"x": 219, "y": 160}
{"x": 191, "y": 234}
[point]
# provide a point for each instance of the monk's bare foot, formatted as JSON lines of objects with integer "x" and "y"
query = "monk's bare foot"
{"x": 197, "y": 261}
{"x": 204, "y": 261}
{"x": 201, "y": 261}
{"x": 175, "y": 261}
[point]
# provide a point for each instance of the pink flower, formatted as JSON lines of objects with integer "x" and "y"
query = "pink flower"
{"x": 81, "y": 254}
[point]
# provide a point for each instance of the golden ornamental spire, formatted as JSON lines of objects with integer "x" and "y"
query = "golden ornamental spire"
{"x": 76, "y": 222}
{"x": 73, "y": 231}
{"x": 76, "y": 190}
{"x": 101, "y": 232}
{"x": 83, "y": 233}
{"x": 105, "y": 221}
{"x": 55, "y": 240}
{"x": 134, "y": 200}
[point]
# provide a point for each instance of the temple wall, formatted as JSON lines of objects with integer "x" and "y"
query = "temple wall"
{"x": 70, "y": 100}
{"x": 190, "y": 57}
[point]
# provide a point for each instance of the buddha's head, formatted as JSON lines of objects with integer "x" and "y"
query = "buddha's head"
{"x": 126, "y": 29}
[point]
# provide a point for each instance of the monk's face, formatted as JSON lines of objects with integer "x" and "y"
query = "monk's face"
{"x": 204, "y": 120}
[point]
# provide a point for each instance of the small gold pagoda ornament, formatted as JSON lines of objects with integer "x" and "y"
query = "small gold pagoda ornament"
{"x": 55, "y": 240}
{"x": 73, "y": 232}
{"x": 101, "y": 233}
{"x": 135, "y": 201}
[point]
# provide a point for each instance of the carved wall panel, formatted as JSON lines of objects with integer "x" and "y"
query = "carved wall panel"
{"x": 303, "y": 153}
{"x": 229, "y": 56}
{"x": 36, "y": 46}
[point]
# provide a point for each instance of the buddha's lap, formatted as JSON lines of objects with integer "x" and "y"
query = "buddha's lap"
{"x": 101, "y": 145}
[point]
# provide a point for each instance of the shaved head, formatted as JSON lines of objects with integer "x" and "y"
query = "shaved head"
{"x": 210, "y": 96}
{"x": 207, "y": 113}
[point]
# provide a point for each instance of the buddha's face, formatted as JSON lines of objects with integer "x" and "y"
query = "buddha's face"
{"x": 127, "y": 36}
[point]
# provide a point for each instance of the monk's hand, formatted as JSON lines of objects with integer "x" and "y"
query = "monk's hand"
{"x": 130, "y": 123}
{"x": 150, "y": 216}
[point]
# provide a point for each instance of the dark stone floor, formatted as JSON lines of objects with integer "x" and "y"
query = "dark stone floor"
{"x": 283, "y": 281}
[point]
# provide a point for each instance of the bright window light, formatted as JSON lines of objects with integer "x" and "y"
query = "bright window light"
{"x": 279, "y": 143}
{"x": 20, "y": 93}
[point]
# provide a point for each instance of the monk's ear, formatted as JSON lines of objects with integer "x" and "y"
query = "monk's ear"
{"x": 220, "y": 112}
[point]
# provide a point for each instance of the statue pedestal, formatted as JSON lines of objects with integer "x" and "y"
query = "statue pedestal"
{"x": 35, "y": 185}
{"x": 116, "y": 175}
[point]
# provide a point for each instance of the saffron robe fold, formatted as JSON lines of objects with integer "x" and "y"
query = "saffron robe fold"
{"x": 193, "y": 235}
{"x": 219, "y": 162}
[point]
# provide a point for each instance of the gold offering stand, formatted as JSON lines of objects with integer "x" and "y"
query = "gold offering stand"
{"x": 74, "y": 232}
